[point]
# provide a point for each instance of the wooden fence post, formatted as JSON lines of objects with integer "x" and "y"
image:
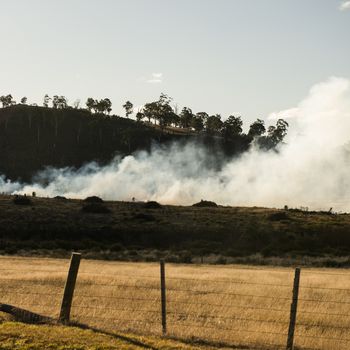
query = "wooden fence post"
{"x": 163, "y": 295}
{"x": 293, "y": 310}
{"x": 69, "y": 287}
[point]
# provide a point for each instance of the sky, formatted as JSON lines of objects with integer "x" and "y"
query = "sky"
{"x": 241, "y": 57}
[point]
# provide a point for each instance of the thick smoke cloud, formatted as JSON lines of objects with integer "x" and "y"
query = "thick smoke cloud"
{"x": 311, "y": 170}
{"x": 7, "y": 186}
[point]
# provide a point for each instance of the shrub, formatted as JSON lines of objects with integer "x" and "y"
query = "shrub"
{"x": 61, "y": 198}
{"x": 22, "y": 200}
{"x": 95, "y": 208}
{"x": 221, "y": 260}
{"x": 152, "y": 205}
{"x": 185, "y": 257}
{"x": 278, "y": 216}
{"x": 93, "y": 199}
{"x": 205, "y": 204}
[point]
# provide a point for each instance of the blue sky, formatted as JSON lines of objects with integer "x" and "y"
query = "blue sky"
{"x": 221, "y": 56}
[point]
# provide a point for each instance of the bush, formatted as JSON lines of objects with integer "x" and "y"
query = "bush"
{"x": 205, "y": 204}
{"x": 185, "y": 257}
{"x": 221, "y": 260}
{"x": 60, "y": 198}
{"x": 152, "y": 205}
{"x": 95, "y": 208}
{"x": 22, "y": 200}
{"x": 278, "y": 216}
{"x": 93, "y": 199}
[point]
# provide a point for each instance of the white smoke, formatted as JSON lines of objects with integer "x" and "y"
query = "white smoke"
{"x": 312, "y": 169}
{"x": 6, "y": 186}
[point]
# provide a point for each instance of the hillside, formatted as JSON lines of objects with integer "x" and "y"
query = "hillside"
{"x": 33, "y": 137}
{"x": 142, "y": 232}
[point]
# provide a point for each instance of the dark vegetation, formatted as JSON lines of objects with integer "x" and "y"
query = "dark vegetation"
{"x": 96, "y": 208}
{"x": 278, "y": 216}
{"x": 22, "y": 200}
{"x": 131, "y": 231}
{"x": 59, "y": 135}
{"x": 205, "y": 204}
{"x": 32, "y": 138}
{"x": 152, "y": 205}
{"x": 60, "y": 198}
{"x": 93, "y": 199}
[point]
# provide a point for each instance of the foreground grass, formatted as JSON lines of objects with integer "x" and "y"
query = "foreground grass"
{"x": 131, "y": 231}
{"x": 19, "y": 336}
{"x": 240, "y": 306}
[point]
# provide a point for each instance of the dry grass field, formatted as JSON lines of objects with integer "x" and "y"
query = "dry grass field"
{"x": 20, "y": 336}
{"x": 222, "y": 305}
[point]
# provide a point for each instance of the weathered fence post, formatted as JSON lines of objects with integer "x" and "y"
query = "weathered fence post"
{"x": 163, "y": 295}
{"x": 293, "y": 310}
{"x": 69, "y": 287}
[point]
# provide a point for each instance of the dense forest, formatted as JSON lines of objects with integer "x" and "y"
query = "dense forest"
{"x": 58, "y": 134}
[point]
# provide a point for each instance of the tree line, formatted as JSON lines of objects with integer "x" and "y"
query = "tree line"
{"x": 163, "y": 114}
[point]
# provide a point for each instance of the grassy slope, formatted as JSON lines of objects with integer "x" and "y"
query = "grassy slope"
{"x": 19, "y": 336}
{"x": 131, "y": 231}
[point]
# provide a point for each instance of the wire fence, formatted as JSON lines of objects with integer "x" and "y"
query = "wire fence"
{"x": 233, "y": 306}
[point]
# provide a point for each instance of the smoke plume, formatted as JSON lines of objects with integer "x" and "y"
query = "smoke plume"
{"x": 312, "y": 169}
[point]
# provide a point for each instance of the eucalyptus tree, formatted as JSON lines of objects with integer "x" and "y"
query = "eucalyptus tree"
{"x": 59, "y": 102}
{"x": 90, "y": 104}
{"x": 257, "y": 128}
{"x": 7, "y": 100}
{"x": 129, "y": 108}
{"x": 232, "y": 127}
{"x": 46, "y": 100}
{"x": 213, "y": 124}
{"x": 139, "y": 116}
{"x": 186, "y": 117}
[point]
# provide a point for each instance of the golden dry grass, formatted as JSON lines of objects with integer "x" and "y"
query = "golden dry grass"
{"x": 20, "y": 336}
{"x": 235, "y": 305}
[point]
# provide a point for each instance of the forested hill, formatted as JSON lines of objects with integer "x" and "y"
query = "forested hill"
{"x": 32, "y": 137}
